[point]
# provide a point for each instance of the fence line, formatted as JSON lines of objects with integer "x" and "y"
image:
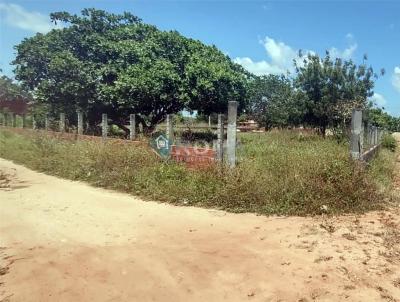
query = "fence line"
{"x": 218, "y": 150}
{"x": 364, "y": 142}
{"x": 365, "y": 139}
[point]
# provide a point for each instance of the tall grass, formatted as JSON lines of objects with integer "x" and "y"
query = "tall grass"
{"x": 278, "y": 173}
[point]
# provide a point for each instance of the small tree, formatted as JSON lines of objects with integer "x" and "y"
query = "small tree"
{"x": 332, "y": 88}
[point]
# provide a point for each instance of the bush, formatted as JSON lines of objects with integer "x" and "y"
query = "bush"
{"x": 189, "y": 136}
{"x": 389, "y": 142}
{"x": 115, "y": 131}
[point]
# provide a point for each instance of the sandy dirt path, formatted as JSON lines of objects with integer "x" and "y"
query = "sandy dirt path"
{"x": 66, "y": 241}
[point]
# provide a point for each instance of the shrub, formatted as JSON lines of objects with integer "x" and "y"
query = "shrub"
{"x": 189, "y": 136}
{"x": 389, "y": 142}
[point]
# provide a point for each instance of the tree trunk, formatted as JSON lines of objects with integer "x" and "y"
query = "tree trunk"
{"x": 122, "y": 127}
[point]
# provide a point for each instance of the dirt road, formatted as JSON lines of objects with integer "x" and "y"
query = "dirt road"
{"x": 66, "y": 241}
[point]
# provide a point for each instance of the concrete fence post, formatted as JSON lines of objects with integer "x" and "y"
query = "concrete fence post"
{"x": 62, "y": 122}
{"x": 170, "y": 128}
{"x": 375, "y": 136}
{"x": 372, "y": 136}
{"x": 378, "y": 135}
{"x": 220, "y": 139}
{"x": 132, "y": 127}
{"x": 46, "y": 123}
{"x": 13, "y": 120}
{"x": 370, "y": 132}
{"x": 209, "y": 121}
{"x": 23, "y": 121}
{"x": 231, "y": 133}
{"x": 355, "y": 143}
{"x": 104, "y": 125}
{"x": 80, "y": 122}
{"x": 34, "y": 126}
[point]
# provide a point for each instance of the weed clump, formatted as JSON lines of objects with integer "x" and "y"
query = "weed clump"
{"x": 389, "y": 142}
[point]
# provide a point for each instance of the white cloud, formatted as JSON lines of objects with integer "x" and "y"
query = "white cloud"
{"x": 281, "y": 57}
{"x": 378, "y": 99}
{"x": 16, "y": 16}
{"x": 350, "y": 36}
{"x": 396, "y": 78}
{"x": 345, "y": 54}
{"x": 259, "y": 68}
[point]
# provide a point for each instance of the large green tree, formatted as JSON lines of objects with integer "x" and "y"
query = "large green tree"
{"x": 333, "y": 87}
{"x": 116, "y": 64}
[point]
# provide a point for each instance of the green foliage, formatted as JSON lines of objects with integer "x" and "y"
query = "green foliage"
{"x": 116, "y": 64}
{"x": 380, "y": 118}
{"x": 274, "y": 102}
{"x": 278, "y": 173}
{"x": 389, "y": 142}
{"x": 322, "y": 94}
{"x": 10, "y": 91}
{"x": 243, "y": 117}
{"x": 382, "y": 170}
{"x": 189, "y": 136}
{"x": 333, "y": 88}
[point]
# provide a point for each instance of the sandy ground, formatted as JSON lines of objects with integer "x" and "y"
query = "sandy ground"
{"x": 66, "y": 241}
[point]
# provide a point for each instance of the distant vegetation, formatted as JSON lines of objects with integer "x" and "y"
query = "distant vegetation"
{"x": 117, "y": 64}
{"x": 278, "y": 173}
{"x": 10, "y": 91}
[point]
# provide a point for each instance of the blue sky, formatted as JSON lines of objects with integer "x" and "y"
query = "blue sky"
{"x": 262, "y": 36}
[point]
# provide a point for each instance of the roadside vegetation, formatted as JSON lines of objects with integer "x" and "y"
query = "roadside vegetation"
{"x": 278, "y": 173}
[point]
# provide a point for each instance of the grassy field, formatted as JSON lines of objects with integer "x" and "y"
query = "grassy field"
{"x": 278, "y": 173}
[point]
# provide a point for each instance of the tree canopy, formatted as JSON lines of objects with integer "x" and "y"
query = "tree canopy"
{"x": 10, "y": 91}
{"x": 380, "y": 118}
{"x": 274, "y": 102}
{"x": 333, "y": 87}
{"x": 116, "y": 64}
